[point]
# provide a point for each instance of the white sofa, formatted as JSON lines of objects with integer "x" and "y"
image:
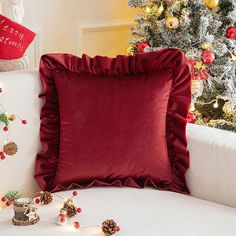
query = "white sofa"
{"x": 210, "y": 210}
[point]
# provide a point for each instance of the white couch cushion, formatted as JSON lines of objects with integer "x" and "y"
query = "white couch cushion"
{"x": 139, "y": 212}
{"x": 211, "y": 175}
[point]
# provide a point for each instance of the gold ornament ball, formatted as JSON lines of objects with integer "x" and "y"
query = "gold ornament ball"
{"x": 12, "y": 117}
{"x": 211, "y": 3}
{"x": 131, "y": 50}
{"x": 206, "y": 46}
{"x": 172, "y": 22}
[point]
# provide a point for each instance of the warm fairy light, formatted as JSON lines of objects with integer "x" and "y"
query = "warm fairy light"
{"x": 160, "y": 9}
{"x": 192, "y": 108}
{"x": 148, "y": 9}
{"x": 216, "y": 105}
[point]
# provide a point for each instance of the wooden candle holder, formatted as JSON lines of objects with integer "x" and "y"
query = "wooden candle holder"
{"x": 24, "y": 212}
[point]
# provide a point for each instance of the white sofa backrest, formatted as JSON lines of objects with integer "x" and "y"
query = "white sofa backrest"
{"x": 211, "y": 176}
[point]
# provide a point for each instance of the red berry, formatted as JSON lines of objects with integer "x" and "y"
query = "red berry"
{"x": 75, "y": 193}
{"x": 24, "y": 122}
{"x": 76, "y": 224}
{"x": 5, "y": 129}
{"x": 62, "y": 219}
{"x": 37, "y": 200}
{"x": 8, "y": 203}
{"x": 13, "y": 199}
{"x": 118, "y": 228}
{"x": 3, "y": 199}
{"x": 79, "y": 210}
{"x": 2, "y": 157}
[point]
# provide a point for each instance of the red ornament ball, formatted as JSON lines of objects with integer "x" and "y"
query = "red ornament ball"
{"x": 37, "y": 200}
{"x": 76, "y": 224}
{"x": 118, "y": 228}
{"x": 75, "y": 193}
{"x": 5, "y": 129}
{"x": 24, "y": 122}
{"x": 207, "y": 56}
{"x": 3, "y": 199}
{"x": 231, "y": 33}
{"x": 8, "y": 203}
{"x": 79, "y": 210}
{"x": 142, "y": 46}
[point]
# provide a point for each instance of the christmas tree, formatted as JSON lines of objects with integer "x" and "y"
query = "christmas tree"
{"x": 205, "y": 30}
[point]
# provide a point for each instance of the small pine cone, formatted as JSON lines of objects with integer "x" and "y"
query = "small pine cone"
{"x": 71, "y": 211}
{"x": 109, "y": 227}
{"x": 46, "y": 198}
{"x": 10, "y": 148}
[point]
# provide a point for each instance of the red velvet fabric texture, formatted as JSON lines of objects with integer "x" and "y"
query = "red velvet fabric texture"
{"x": 114, "y": 121}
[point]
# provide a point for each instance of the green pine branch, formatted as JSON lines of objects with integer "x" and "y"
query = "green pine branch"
{"x": 11, "y": 195}
{"x": 4, "y": 119}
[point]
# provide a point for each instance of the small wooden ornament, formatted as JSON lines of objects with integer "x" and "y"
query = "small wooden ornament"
{"x": 24, "y": 212}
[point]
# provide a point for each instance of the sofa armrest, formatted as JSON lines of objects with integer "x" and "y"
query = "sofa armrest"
{"x": 212, "y": 172}
{"x": 20, "y": 97}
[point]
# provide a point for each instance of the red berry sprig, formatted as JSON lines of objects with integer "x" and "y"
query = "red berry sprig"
{"x": 2, "y": 155}
{"x": 117, "y": 228}
{"x": 76, "y": 224}
{"x": 5, "y": 129}
{"x": 3, "y": 199}
{"x": 37, "y": 200}
{"x": 24, "y": 122}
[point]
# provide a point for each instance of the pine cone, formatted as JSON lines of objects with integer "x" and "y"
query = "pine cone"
{"x": 10, "y": 148}
{"x": 109, "y": 227}
{"x": 71, "y": 211}
{"x": 46, "y": 198}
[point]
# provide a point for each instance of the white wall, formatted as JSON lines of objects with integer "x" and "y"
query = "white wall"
{"x": 58, "y": 22}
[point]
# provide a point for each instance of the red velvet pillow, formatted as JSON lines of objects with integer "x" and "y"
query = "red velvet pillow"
{"x": 114, "y": 121}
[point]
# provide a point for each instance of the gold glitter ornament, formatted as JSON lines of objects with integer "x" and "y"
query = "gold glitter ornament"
{"x": 206, "y": 46}
{"x": 12, "y": 117}
{"x": 131, "y": 50}
{"x": 172, "y": 22}
{"x": 211, "y": 3}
